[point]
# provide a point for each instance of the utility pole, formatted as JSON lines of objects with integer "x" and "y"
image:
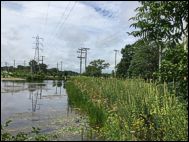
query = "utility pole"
{"x": 85, "y": 49}
{"x": 57, "y": 67}
{"x": 81, "y": 52}
{"x": 14, "y": 65}
{"x": 61, "y": 66}
{"x": 42, "y": 59}
{"x": 115, "y": 60}
{"x": 6, "y": 64}
{"x": 36, "y": 57}
{"x": 31, "y": 66}
{"x": 24, "y": 63}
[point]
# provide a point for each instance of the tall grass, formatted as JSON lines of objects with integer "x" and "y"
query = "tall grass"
{"x": 130, "y": 109}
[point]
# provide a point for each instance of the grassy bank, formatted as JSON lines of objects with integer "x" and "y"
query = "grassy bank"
{"x": 12, "y": 78}
{"x": 129, "y": 109}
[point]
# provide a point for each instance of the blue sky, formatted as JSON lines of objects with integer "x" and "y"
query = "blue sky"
{"x": 65, "y": 26}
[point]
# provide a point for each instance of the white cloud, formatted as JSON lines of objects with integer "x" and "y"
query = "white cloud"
{"x": 100, "y": 26}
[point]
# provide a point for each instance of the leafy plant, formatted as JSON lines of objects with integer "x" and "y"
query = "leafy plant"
{"x": 21, "y": 136}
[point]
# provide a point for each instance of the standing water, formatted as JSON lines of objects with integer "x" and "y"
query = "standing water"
{"x": 43, "y": 105}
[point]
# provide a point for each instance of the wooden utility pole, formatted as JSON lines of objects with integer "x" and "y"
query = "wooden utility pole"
{"x": 6, "y": 64}
{"x": 81, "y": 51}
{"x": 24, "y": 63}
{"x": 57, "y": 67}
{"x": 115, "y": 60}
{"x": 14, "y": 65}
{"x": 85, "y": 50}
{"x": 31, "y": 66}
{"x": 61, "y": 66}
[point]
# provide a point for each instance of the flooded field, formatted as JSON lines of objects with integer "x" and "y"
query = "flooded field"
{"x": 43, "y": 105}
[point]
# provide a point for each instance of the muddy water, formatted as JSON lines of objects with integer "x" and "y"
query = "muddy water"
{"x": 44, "y": 105}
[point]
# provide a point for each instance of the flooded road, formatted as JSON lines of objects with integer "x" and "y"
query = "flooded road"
{"x": 43, "y": 105}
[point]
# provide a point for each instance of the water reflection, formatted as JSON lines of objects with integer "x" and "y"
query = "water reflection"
{"x": 35, "y": 93}
{"x": 43, "y": 104}
{"x": 53, "y": 88}
{"x": 58, "y": 84}
{"x": 12, "y": 86}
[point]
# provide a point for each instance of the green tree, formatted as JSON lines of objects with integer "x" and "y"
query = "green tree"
{"x": 175, "y": 68}
{"x": 123, "y": 65}
{"x": 95, "y": 67}
{"x": 34, "y": 66}
{"x": 53, "y": 71}
{"x": 43, "y": 68}
{"x": 145, "y": 60}
{"x": 161, "y": 20}
{"x": 20, "y": 67}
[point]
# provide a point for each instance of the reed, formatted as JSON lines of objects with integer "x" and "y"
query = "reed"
{"x": 130, "y": 109}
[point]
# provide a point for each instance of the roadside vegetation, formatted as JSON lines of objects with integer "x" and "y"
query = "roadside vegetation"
{"x": 129, "y": 109}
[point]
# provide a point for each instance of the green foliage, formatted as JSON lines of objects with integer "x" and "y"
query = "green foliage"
{"x": 6, "y": 136}
{"x": 7, "y": 123}
{"x": 35, "y": 130}
{"x": 59, "y": 83}
{"x": 138, "y": 59}
{"x": 43, "y": 68}
{"x": 41, "y": 138}
{"x": 34, "y": 66}
{"x": 36, "y": 77}
{"x": 92, "y": 71}
{"x": 161, "y": 21}
{"x": 95, "y": 67}
{"x": 174, "y": 67}
{"x": 21, "y": 136}
{"x": 145, "y": 60}
{"x": 123, "y": 66}
{"x": 80, "y": 99}
{"x": 133, "y": 109}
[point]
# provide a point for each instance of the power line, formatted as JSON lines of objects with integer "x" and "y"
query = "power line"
{"x": 68, "y": 14}
{"x": 46, "y": 18}
{"x": 71, "y": 9}
{"x": 112, "y": 36}
{"x": 54, "y": 32}
{"x": 61, "y": 18}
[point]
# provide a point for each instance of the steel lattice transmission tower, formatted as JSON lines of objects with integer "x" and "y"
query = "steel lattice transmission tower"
{"x": 37, "y": 43}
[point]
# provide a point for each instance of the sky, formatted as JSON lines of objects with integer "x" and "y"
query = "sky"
{"x": 65, "y": 26}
